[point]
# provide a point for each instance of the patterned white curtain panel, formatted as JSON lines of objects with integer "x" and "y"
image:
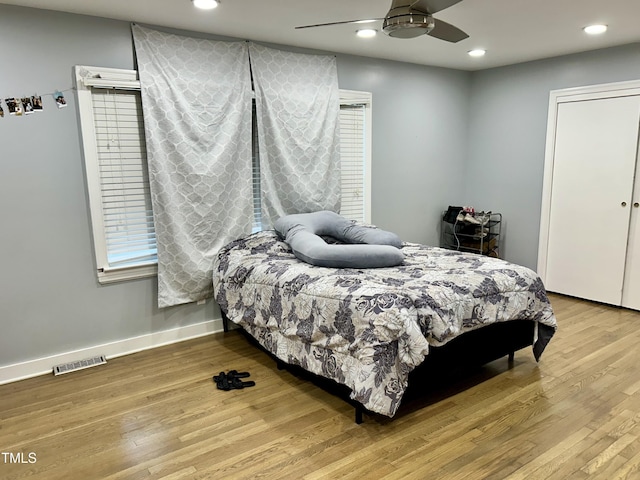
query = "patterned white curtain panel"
{"x": 196, "y": 96}
{"x": 298, "y": 108}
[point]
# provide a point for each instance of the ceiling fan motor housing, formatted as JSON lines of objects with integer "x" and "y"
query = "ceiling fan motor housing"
{"x": 405, "y": 22}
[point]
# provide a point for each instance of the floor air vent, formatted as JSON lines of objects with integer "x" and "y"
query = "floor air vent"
{"x": 79, "y": 365}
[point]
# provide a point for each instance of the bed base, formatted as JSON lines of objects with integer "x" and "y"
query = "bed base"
{"x": 469, "y": 352}
{"x": 462, "y": 354}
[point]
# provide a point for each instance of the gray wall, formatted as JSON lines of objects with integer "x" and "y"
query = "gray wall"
{"x": 50, "y": 300}
{"x": 508, "y": 124}
{"x": 419, "y": 141}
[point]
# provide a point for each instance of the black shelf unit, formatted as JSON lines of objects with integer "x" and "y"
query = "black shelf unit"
{"x": 464, "y": 236}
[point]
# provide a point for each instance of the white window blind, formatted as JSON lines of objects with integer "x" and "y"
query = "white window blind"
{"x": 352, "y": 161}
{"x": 124, "y": 182}
{"x": 355, "y": 154}
{"x": 112, "y": 127}
{"x": 255, "y": 159}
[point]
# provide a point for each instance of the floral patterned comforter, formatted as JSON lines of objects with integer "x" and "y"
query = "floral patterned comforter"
{"x": 368, "y": 328}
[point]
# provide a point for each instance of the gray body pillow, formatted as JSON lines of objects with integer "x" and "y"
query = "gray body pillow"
{"x": 364, "y": 247}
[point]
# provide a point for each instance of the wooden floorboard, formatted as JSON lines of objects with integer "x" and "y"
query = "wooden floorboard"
{"x": 158, "y": 415}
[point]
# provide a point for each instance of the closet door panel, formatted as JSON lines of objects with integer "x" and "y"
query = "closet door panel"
{"x": 593, "y": 168}
{"x": 631, "y": 290}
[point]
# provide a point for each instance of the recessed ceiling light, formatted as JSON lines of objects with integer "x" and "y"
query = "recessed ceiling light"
{"x": 205, "y": 4}
{"x": 478, "y": 52}
{"x": 595, "y": 29}
{"x": 367, "y": 32}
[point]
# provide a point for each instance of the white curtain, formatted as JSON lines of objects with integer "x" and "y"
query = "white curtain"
{"x": 196, "y": 98}
{"x": 298, "y": 109}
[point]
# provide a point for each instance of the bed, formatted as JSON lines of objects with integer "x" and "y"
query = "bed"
{"x": 368, "y": 329}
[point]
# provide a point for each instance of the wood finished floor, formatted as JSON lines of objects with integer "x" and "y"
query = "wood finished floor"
{"x": 158, "y": 415}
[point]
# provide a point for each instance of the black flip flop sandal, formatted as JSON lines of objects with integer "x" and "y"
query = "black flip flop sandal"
{"x": 236, "y": 374}
{"x": 224, "y": 384}
{"x": 239, "y": 384}
{"x": 219, "y": 377}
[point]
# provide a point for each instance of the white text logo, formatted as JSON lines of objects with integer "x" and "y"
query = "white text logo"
{"x": 18, "y": 457}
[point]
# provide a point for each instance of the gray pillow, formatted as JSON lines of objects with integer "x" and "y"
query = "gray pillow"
{"x": 364, "y": 247}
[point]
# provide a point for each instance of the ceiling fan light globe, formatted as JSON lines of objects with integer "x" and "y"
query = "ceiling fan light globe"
{"x": 408, "y": 25}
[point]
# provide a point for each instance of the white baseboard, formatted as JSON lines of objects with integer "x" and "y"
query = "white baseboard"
{"x": 43, "y": 366}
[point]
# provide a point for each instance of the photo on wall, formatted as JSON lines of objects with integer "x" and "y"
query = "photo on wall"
{"x": 27, "y": 105}
{"x": 13, "y": 106}
{"x": 60, "y": 100}
{"x": 36, "y": 100}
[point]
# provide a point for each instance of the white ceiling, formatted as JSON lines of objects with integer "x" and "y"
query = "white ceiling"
{"x": 512, "y": 31}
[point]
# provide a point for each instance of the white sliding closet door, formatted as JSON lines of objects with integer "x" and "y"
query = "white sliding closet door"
{"x": 593, "y": 175}
{"x": 631, "y": 292}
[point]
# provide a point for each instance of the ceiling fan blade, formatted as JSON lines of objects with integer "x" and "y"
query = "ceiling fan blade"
{"x": 446, "y": 31}
{"x": 368, "y": 20}
{"x": 433, "y": 6}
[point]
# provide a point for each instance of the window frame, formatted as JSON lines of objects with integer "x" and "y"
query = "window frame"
{"x": 86, "y": 79}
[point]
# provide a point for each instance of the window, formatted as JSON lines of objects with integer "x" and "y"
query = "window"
{"x": 117, "y": 178}
{"x": 355, "y": 154}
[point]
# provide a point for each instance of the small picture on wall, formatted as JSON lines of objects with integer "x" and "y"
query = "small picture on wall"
{"x": 27, "y": 105}
{"x": 13, "y": 106}
{"x": 36, "y": 100}
{"x": 60, "y": 100}
{"x": 1, "y": 112}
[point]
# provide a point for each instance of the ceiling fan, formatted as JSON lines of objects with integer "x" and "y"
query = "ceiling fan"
{"x": 412, "y": 18}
